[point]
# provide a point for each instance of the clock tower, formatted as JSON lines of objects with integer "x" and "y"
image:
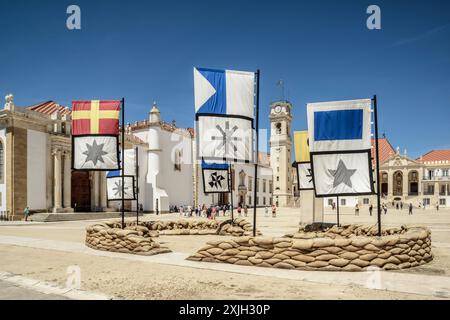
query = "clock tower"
{"x": 281, "y": 152}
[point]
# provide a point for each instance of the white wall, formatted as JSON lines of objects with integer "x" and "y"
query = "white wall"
{"x": 177, "y": 184}
{"x": 3, "y": 185}
{"x": 36, "y": 169}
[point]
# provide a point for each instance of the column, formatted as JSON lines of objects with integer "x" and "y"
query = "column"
{"x": 57, "y": 180}
{"x": 390, "y": 185}
{"x": 67, "y": 180}
{"x": 103, "y": 201}
{"x": 96, "y": 189}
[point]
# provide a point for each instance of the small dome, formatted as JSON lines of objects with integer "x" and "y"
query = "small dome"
{"x": 154, "y": 108}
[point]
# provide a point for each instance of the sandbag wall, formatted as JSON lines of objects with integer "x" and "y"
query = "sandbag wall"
{"x": 410, "y": 248}
{"x": 108, "y": 236}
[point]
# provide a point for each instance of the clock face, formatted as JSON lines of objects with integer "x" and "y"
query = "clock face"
{"x": 278, "y": 109}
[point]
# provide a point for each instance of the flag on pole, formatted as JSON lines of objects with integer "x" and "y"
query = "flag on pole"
{"x": 340, "y": 144}
{"x": 302, "y": 161}
{"x": 114, "y": 186}
{"x": 215, "y": 178}
{"x": 95, "y": 132}
{"x": 340, "y": 125}
{"x": 224, "y": 107}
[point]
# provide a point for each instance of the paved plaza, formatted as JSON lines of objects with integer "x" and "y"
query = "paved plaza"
{"x": 45, "y": 253}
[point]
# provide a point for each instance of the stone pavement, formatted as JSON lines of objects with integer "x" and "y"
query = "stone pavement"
{"x": 10, "y": 291}
{"x": 430, "y": 285}
{"x": 15, "y": 287}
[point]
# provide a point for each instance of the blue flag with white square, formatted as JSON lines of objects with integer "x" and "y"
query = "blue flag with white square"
{"x": 224, "y": 108}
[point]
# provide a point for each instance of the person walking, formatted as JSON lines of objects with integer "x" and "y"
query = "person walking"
{"x": 266, "y": 211}
{"x": 356, "y": 210}
{"x": 401, "y": 205}
{"x": 245, "y": 210}
{"x": 385, "y": 208}
{"x": 274, "y": 211}
{"x": 26, "y": 212}
{"x": 239, "y": 209}
{"x": 410, "y": 209}
{"x": 370, "y": 209}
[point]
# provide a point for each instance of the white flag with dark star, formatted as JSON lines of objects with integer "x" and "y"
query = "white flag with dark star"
{"x": 215, "y": 180}
{"x": 304, "y": 176}
{"x": 341, "y": 174}
{"x": 114, "y": 188}
{"x": 95, "y": 153}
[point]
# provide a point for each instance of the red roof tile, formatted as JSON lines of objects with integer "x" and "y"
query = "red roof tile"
{"x": 436, "y": 155}
{"x": 386, "y": 150}
{"x": 50, "y": 107}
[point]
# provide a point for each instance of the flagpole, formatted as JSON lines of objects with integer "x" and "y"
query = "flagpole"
{"x": 123, "y": 163}
{"x": 257, "y": 152}
{"x": 230, "y": 181}
{"x": 375, "y": 111}
{"x": 137, "y": 184}
{"x": 337, "y": 209}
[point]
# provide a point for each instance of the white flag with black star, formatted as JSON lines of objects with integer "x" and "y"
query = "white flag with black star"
{"x": 304, "y": 175}
{"x": 114, "y": 188}
{"x": 95, "y": 152}
{"x": 340, "y": 174}
{"x": 216, "y": 181}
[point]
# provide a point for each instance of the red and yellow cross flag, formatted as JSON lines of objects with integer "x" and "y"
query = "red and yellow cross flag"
{"x": 301, "y": 146}
{"x": 95, "y": 117}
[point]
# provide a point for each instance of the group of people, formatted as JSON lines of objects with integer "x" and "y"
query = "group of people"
{"x": 214, "y": 211}
{"x": 384, "y": 208}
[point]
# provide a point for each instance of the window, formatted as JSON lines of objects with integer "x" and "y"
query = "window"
{"x": 264, "y": 185}
{"x": 426, "y": 201}
{"x": 278, "y": 128}
{"x": 257, "y": 200}
{"x": 249, "y": 200}
{"x": 278, "y": 178}
{"x": 445, "y": 172}
{"x": 442, "y": 202}
{"x": 250, "y": 183}
{"x": 264, "y": 201}
{"x": 178, "y": 154}
{"x": 270, "y": 186}
{"x": 366, "y": 201}
{"x": 257, "y": 185}
{"x": 330, "y": 202}
{"x": 343, "y": 202}
{"x": 2, "y": 162}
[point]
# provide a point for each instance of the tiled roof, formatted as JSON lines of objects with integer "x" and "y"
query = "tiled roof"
{"x": 386, "y": 150}
{"x": 50, "y": 107}
{"x": 436, "y": 156}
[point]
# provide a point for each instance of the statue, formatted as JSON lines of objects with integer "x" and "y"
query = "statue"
{"x": 9, "y": 99}
{"x": 398, "y": 150}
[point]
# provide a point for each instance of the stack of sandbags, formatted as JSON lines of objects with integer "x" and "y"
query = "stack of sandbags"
{"x": 357, "y": 253}
{"x": 108, "y": 237}
{"x": 239, "y": 227}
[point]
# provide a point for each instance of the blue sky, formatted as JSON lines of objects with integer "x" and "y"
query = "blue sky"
{"x": 145, "y": 51}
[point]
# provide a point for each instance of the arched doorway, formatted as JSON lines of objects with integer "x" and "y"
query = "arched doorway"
{"x": 81, "y": 191}
{"x": 384, "y": 184}
{"x": 413, "y": 183}
{"x": 398, "y": 183}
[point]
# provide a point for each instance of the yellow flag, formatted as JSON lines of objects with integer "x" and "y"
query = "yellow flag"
{"x": 301, "y": 146}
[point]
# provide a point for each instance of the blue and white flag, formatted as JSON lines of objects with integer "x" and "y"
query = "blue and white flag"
{"x": 340, "y": 144}
{"x": 215, "y": 177}
{"x": 340, "y": 125}
{"x": 224, "y": 108}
